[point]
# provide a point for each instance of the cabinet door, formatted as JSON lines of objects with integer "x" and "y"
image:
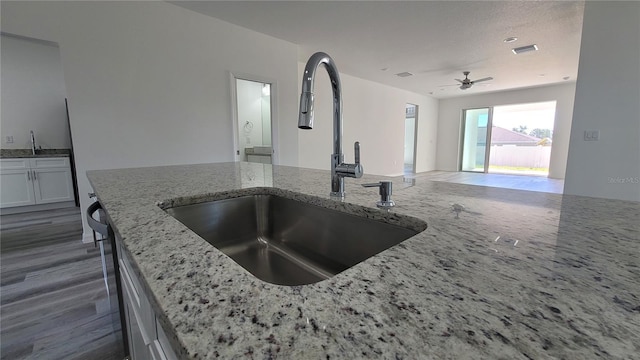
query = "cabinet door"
{"x": 138, "y": 349}
{"x": 16, "y": 188}
{"x": 156, "y": 351}
{"x": 52, "y": 185}
{"x": 163, "y": 344}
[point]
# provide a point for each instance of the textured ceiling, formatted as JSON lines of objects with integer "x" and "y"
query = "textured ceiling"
{"x": 434, "y": 40}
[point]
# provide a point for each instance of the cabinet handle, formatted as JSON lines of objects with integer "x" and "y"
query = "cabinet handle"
{"x": 28, "y": 175}
{"x": 34, "y": 175}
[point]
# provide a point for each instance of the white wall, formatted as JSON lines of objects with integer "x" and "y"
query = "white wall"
{"x": 148, "y": 82}
{"x": 450, "y": 121}
{"x": 373, "y": 114}
{"x": 607, "y": 99}
{"x": 33, "y": 94}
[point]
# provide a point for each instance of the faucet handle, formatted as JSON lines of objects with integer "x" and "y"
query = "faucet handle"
{"x": 349, "y": 170}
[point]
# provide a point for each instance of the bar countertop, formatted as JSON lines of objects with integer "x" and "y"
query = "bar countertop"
{"x": 517, "y": 275}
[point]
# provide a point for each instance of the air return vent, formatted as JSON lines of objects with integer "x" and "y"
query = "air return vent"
{"x": 404, "y": 74}
{"x": 523, "y": 49}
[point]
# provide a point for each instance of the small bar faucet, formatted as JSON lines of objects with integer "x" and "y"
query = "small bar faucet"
{"x": 33, "y": 142}
{"x": 339, "y": 170}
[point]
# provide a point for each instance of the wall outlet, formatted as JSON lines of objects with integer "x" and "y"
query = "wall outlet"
{"x": 9, "y": 139}
{"x": 591, "y": 135}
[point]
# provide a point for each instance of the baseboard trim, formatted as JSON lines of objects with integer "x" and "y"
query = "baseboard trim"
{"x": 87, "y": 237}
{"x": 41, "y": 207}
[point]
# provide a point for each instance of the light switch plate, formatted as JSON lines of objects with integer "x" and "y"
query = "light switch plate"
{"x": 9, "y": 139}
{"x": 592, "y": 135}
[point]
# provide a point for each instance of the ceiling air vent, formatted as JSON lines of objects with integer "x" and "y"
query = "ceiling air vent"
{"x": 404, "y": 74}
{"x": 523, "y": 49}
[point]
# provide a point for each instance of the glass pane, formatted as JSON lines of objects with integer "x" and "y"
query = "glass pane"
{"x": 521, "y": 138}
{"x": 475, "y": 139}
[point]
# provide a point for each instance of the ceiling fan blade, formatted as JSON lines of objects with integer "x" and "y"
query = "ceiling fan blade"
{"x": 483, "y": 79}
{"x": 448, "y": 85}
{"x": 460, "y": 81}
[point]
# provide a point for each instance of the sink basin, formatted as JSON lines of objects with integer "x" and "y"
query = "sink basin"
{"x": 289, "y": 242}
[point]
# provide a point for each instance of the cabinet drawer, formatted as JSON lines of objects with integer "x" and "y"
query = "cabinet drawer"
{"x": 14, "y": 164}
{"x": 49, "y": 162}
{"x": 131, "y": 277}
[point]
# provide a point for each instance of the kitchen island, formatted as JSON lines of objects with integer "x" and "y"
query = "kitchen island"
{"x": 515, "y": 275}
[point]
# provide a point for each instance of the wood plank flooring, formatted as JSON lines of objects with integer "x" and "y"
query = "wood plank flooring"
{"x": 53, "y": 299}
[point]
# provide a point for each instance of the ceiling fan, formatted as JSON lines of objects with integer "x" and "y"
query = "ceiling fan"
{"x": 467, "y": 83}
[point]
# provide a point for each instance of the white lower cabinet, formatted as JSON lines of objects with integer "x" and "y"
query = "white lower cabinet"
{"x": 16, "y": 188}
{"x": 137, "y": 347}
{"x": 147, "y": 339}
{"x": 31, "y": 181}
{"x": 157, "y": 352}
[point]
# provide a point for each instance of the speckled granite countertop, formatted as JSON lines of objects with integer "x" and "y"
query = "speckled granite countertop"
{"x": 27, "y": 153}
{"x": 519, "y": 275}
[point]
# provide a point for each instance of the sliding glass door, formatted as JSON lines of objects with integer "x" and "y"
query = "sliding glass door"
{"x": 475, "y": 138}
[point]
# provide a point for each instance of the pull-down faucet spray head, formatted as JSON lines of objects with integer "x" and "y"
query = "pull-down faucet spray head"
{"x": 305, "y": 121}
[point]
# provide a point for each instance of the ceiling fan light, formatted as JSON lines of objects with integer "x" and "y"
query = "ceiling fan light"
{"x": 523, "y": 49}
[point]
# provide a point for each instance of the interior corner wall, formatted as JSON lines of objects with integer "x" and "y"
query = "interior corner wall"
{"x": 607, "y": 100}
{"x": 33, "y": 94}
{"x": 374, "y": 115}
{"x": 148, "y": 82}
{"x": 450, "y": 122}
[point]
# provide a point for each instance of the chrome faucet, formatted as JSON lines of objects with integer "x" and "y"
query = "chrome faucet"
{"x": 33, "y": 142}
{"x": 339, "y": 170}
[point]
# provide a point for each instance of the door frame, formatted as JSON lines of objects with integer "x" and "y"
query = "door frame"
{"x": 487, "y": 149}
{"x": 233, "y": 76}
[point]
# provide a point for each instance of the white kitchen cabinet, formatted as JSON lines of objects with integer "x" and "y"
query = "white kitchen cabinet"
{"x": 147, "y": 339}
{"x": 16, "y": 188}
{"x": 31, "y": 181}
{"x": 138, "y": 347}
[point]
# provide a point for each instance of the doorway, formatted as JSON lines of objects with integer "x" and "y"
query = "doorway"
{"x": 522, "y": 138}
{"x": 509, "y": 139}
{"x": 253, "y": 110}
{"x": 410, "y": 131}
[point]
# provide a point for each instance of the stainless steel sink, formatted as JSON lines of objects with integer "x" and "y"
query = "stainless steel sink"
{"x": 289, "y": 242}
